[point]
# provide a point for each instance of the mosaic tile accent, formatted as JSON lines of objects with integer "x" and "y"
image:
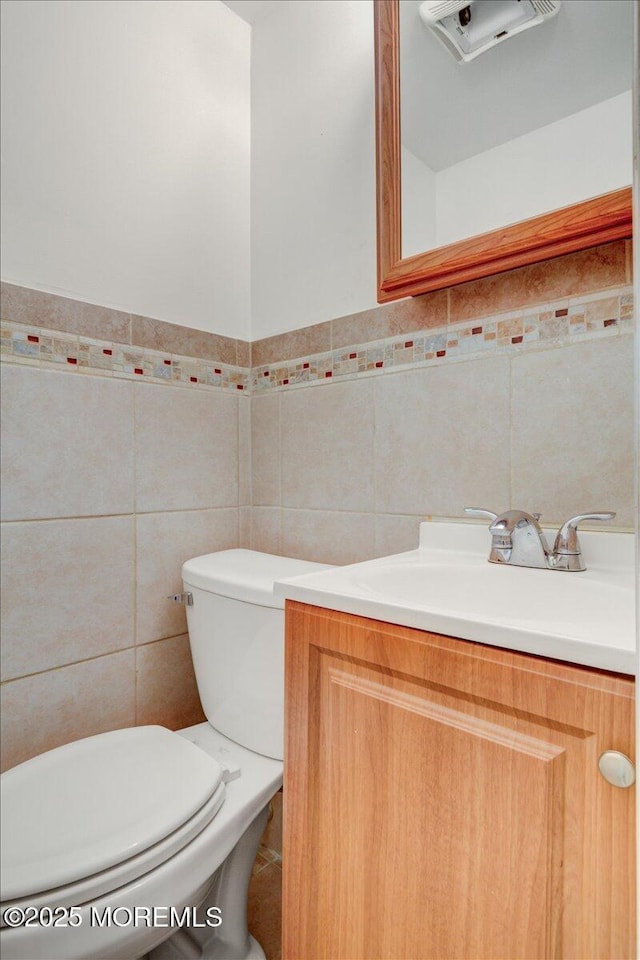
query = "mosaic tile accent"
{"x": 560, "y": 323}
{"x": 51, "y": 349}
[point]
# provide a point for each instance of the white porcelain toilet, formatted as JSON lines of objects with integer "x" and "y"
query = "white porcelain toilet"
{"x": 140, "y": 842}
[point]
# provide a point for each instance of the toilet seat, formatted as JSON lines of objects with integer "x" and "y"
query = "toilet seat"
{"x": 181, "y": 880}
{"x": 104, "y": 811}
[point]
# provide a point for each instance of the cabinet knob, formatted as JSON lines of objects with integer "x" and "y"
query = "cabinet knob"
{"x": 617, "y": 769}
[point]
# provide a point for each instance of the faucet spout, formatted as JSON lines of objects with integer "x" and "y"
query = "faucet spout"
{"x": 517, "y": 539}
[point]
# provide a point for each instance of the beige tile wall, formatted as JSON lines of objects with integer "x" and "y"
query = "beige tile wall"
{"x": 454, "y": 448}
{"x": 108, "y": 486}
{"x": 363, "y": 462}
{"x": 186, "y": 449}
{"x": 68, "y": 588}
{"x": 326, "y": 450}
{"x": 78, "y": 700}
{"x": 52, "y": 465}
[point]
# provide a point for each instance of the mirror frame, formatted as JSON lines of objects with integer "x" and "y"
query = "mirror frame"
{"x": 571, "y": 228}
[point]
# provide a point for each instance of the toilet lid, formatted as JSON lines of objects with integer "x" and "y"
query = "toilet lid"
{"x": 244, "y": 574}
{"x": 82, "y": 808}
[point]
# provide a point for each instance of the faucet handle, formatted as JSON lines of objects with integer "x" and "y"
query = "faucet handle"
{"x": 479, "y": 512}
{"x": 567, "y": 543}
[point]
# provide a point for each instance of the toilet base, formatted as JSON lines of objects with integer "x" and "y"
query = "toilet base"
{"x": 173, "y": 946}
{"x": 229, "y": 893}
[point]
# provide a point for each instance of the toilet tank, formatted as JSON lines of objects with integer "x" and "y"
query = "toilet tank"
{"x": 236, "y": 631}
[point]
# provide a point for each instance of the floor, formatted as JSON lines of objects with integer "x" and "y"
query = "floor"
{"x": 265, "y": 889}
{"x": 265, "y": 903}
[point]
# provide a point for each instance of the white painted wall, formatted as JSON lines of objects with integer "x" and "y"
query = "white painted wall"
{"x": 586, "y": 154}
{"x": 313, "y": 244}
{"x": 418, "y": 204}
{"x": 126, "y": 153}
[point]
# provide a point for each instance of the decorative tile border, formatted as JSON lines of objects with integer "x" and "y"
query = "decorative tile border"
{"x": 51, "y": 311}
{"x": 51, "y": 349}
{"x": 561, "y": 323}
{"x": 551, "y": 325}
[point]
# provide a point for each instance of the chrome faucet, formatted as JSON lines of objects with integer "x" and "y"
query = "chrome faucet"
{"x": 517, "y": 539}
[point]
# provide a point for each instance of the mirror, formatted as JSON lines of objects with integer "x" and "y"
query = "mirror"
{"x": 490, "y": 173}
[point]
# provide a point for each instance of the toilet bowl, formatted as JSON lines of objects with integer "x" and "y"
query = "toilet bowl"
{"x": 140, "y": 842}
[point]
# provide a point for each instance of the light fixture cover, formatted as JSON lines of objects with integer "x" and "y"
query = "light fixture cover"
{"x": 468, "y": 28}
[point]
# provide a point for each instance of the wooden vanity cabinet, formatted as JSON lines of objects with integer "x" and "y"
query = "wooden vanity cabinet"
{"x": 443, "y": 799}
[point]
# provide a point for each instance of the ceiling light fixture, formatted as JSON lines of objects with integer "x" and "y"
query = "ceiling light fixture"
{"x": 468, "y": 28}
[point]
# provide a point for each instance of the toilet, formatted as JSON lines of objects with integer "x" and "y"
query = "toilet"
{"x": 139, "y": 843}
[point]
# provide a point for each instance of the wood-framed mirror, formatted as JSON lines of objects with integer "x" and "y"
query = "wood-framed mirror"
{"x": 575, "y": 227}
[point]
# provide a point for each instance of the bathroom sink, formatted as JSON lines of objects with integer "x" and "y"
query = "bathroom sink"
{"x": 501, "y": 593}
{"x": 447, "y": 586}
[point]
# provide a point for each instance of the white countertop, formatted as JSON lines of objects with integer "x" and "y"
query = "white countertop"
{"x": 447, "y": 586}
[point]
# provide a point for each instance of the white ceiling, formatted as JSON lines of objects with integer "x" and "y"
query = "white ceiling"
{"x": 252, "y": 10}
{"x": 451, "y": 111}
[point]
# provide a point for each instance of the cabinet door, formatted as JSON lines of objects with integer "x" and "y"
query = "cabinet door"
{"x": 443, "y": 800}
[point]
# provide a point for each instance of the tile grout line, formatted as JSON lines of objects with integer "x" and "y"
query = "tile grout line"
{"x": 238, "y": 466}
{"x": 511, "y": 433}
{"x": 374, "y": 454}
{"x": 98, "y": 656}
{"x": 134, "y": 432}
{"x": 280, "y": 508}
{"x": 115, "y": 516}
